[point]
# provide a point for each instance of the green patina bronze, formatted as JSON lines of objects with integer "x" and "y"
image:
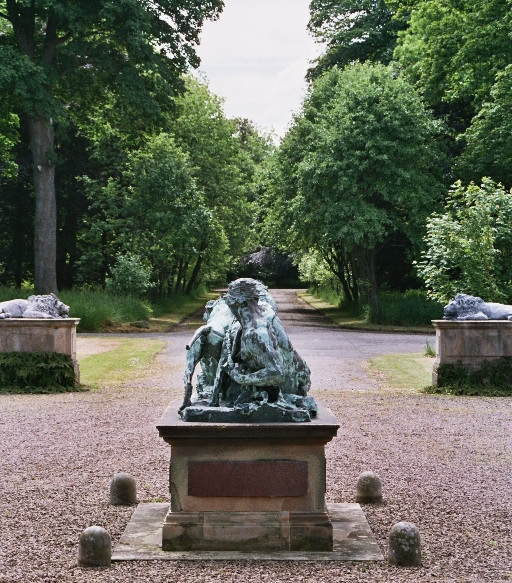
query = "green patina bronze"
{"x": 250, "y": 370}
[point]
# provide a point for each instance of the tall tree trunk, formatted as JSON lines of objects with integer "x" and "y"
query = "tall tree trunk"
{"x": 339, "y": 264}
{"x": 197, "y": 268}
{"x": 366, "y": 261}
{"x": 42, "y": 138}
{"x": 177, "y": 285}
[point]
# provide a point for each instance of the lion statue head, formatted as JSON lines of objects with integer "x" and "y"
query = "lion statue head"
{"x": 464, "y": 306}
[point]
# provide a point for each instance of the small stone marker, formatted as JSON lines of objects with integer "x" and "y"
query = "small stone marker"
{"x": 94, "y": 548}
{"x": 404, "y": 548}
{"x": 123, "y": 491}
{"x": 369, "y": 488}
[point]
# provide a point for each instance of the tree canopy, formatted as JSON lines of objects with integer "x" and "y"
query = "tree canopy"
{"x": 52, "y": 49}
{"x": 468, "y": 247}
{"x": 357, "y": 166}
{"x": 352, "y": 30}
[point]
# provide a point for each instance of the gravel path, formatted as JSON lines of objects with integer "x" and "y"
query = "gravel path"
{"x": 445, "y": 464}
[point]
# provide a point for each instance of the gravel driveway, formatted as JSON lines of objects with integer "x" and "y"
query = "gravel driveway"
{"x": 445, "y": 464}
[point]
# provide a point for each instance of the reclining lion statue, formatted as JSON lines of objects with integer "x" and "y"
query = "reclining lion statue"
{"x": 44, "y": 306}
{"x": 466, "y": 307}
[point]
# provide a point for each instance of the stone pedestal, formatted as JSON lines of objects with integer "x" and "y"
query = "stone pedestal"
{"x": 40, "y": 335}
{"x": 247, "y": 486}
{"x": 471, "y": 342}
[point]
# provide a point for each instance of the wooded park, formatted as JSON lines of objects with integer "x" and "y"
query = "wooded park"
{"x": 119, "y": 168}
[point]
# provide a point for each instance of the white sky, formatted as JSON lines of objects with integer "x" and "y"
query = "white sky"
{"x": 255, "y": 56}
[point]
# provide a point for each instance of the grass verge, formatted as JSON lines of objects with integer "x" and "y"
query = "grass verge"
{"x": 99, "y": 310}
{"x": 343, "y": 320}
{"x": 128, "y": 359}
{"x": 170, "y": 316}
{"x": 412, "y": 371}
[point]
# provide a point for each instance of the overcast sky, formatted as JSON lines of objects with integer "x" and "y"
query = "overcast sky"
{"x": 255, "y": 57}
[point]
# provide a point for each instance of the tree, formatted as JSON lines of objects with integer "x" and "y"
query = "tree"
{"x": 358, "y": 165}
{"x": 52, "y": 45}
{"x": 221, "y": 167}
{"x": 452, "y": 51}
{"x": 153, "y": 209}
{"x": 468, "y": 247}
{"x": 353, "y": 30}
{"x": 190, "y": 230}
{"x": 488, "y": 140}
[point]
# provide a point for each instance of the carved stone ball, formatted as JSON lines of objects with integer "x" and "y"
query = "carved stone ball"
{"x": 369, "y": 488}
{"x": 94, "y": 548}
{"x": 123, "y": 491}
{"x": 404, "y": 548}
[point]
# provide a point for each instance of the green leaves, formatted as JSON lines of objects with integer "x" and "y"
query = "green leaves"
{"x": 64, "y": 61}
{"x": 353, "y": 30}
{"x": 358, "y": 165}
{"x": 372, "y": 164}
{"x": 36, "y": 372}
{"x": 489, "y": 138}
{"x": 452, "y": 52}
{"x": 468, "y": 247}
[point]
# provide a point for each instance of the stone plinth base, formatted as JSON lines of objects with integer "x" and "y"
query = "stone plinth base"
{"x": 40, "y": 335}
{"x": 247, "y": 486}
{"x": 471, "y": 342}
{"x": 243, "y": 531}
{"x": 142, "y": 540}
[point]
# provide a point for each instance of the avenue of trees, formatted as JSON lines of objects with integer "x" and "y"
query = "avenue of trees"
{"x": 107, "y": 147}
{"x": 115, "y": 160}
{"x": 408, "y": 98}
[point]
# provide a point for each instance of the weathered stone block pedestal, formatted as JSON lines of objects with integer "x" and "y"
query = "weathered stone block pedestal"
{"x": 471, "y": 342}
{"x": 40, "y": 335}
{"x": 247, "y": 486}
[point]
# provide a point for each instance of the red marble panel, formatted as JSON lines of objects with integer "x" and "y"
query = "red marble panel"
{"x": 272, "y": 478}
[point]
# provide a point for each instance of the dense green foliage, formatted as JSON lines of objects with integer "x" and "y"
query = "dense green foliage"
{"x": 345, "y": 192}
{"x": 61, "y": 61}
{"x": 36, "y": 372}
{"x": 352, "y": 30}
{"x": 488, "y": 150}
{"x": 410, "y": 308}
{"x": 493, "y": 378}
{"x": 99, "y": 310}
{"x": 133, "y": 158}
{"x": 180, "y": 199}
{"x": 356, "y": 174}
{"x": 469, "y": 246}
{"x": 129, "y": 276}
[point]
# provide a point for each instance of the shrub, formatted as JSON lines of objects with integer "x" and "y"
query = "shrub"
{"x": 493, "y": 378}
{"x": 128, "y": 276}
{"x": 36, "y": 372}
{"x": 468, "y": 247}
{"x": 412, "y": 308}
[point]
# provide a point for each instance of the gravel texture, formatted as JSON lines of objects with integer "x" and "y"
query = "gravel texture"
{"x": 445, "y": 465}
